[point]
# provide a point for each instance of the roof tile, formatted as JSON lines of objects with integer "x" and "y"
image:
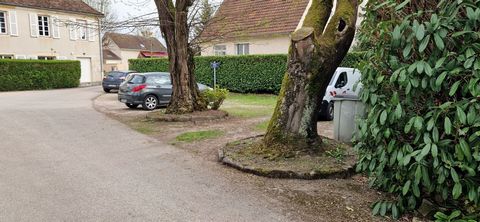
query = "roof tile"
{"x": 243, "y": 18}
{"x": 135, "y": 42}
{"x": 77, "y": 6}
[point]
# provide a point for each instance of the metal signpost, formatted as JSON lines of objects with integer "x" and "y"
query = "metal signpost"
{"x": 215, "y": 66}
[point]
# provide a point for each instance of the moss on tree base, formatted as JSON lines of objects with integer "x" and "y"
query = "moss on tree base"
{"x": 333, "y": 160}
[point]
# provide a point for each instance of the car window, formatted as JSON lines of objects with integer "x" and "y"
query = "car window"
{"x": 342, "y": 80}
{"x": 159, "y": 80}
{"x": 116, "y": 74}
{"x": 136, "y": 79}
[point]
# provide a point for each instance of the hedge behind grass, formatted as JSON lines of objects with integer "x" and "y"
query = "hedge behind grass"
{"x": 18, "y": 75}
{"x": 245, "y": 74}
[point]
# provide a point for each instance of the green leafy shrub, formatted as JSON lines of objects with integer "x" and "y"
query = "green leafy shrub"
{"x": 245, "y": 74}
{"x": 421, "y": 137}
{"x": 215, "y": 97}
{"x": 455, "y": 216}
{"x": 18, "y": 75}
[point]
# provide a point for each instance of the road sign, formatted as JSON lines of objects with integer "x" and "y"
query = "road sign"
{"x": 215, "y": 66}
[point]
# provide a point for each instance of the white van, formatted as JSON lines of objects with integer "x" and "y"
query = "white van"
{"x": 341, "y": 84}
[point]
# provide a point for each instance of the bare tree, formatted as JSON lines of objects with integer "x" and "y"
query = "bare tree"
{"x": 316, "y": 50}
{"x": 145, "y": 31}
{"x": 174, "y": 25}
{"x": 109, "y": 18}
{"x": 201, "y": 16}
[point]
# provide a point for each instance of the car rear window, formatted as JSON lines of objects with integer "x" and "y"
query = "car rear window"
{"x": 116, "y": 74}
{"x": 158, "y": 80}
{"x": 136, "y": 79}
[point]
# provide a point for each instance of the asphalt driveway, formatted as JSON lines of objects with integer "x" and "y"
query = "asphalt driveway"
{"x": 60, "y": 160}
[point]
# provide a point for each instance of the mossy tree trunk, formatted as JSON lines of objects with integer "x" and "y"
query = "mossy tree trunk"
{"x": 174, "y": 26}
{"x": 317, "y": 49}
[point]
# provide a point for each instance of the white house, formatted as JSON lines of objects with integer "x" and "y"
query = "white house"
{"x": 242, "y": 27}
{"x": 119, "y": 48}
{"x": 52, "y": 30}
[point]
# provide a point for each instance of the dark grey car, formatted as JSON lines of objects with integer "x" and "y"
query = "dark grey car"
{"x": 113, "y": 80}
{"x": 151, "y": 90}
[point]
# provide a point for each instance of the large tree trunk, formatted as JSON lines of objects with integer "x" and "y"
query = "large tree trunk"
{"x": 317, "y": 49}
{"x": 174, "y": 25}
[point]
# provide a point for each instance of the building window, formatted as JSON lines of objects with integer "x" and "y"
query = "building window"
{"x": 3, "y": 22}
{"x": 46, "y": 58}
{"x": 243, "y": 49}
{"x": 82, "y": 29}
{"x": 6, "y": 56}
{"x": 220, "y": 50}
{"x": 43, "y": 25}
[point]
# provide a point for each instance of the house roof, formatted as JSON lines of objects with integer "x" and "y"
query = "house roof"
{"x": 109, "y": 55}
{"x": 246, "y": 18}
{"x": 77, "y": 6}
{"x": 153, "y": 54}
{"x": 135, "y": 42}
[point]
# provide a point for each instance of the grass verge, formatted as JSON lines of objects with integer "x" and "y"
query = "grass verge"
{"x": 199, "y": 135}
{"x": 249, "y": 105}
{"x": 262, "y": 126}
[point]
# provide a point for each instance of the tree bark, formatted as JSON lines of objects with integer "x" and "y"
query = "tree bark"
{"x": 316, "y": 50}
{"x": 174, "y": 26}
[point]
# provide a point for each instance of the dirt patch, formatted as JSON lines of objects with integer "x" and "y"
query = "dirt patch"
{"x": 303, "y": 165}
{"x": 302, "y": 200}
{"x": 160, "y": 116}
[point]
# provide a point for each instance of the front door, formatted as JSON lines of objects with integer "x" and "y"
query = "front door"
{"x": 86, "y": 69}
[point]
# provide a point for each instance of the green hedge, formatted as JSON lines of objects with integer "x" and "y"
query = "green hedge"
{"x": 18, "y": 75}
{"x": 251, "y": 73}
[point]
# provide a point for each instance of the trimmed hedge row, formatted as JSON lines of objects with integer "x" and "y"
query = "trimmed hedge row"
{"x": 250, "y": 73}
{"x": 18, "y": 75}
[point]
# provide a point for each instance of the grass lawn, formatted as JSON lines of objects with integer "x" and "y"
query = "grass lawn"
{"x": 249, "y": 105}
{"x": 262, "y": 126}
{"x": 199, "y": 135}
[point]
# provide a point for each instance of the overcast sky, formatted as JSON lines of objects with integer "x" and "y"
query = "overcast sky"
{"x": 128, "y": 8}
{"x": 125, "y": 9}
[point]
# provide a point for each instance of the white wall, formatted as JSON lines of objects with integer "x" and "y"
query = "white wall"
{"x": 126, "y": 55}
{"x": 63, "y": 48}
{"x": 258, "y": 45}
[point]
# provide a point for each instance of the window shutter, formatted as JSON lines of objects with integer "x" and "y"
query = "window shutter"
{"x": 91, "y": 31}
{"x": 13, "y": 23}
{"x": 55, "y": 27}
{"x": 73, "y": 30}
{"x": 33, "y": 25}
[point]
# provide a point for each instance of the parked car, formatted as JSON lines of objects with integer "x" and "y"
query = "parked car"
{"x": 113, "y": 80}
{"x": 151, "y": 90}
{"x": 343, "y": 83}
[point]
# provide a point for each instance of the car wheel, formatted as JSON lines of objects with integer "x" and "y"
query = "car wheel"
{"x": 106, "y": 90}
{"x": 329, "y": 114}
{"x": 150, "y": 102}
{"x": 131, "y": 106}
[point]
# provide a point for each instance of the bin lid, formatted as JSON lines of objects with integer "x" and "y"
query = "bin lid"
{"x": 346, "y": 97}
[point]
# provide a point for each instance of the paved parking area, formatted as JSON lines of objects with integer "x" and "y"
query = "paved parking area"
{"x": 63, "y": 161}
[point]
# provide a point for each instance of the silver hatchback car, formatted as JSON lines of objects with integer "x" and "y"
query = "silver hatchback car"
{"x": 151, "y": 90}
